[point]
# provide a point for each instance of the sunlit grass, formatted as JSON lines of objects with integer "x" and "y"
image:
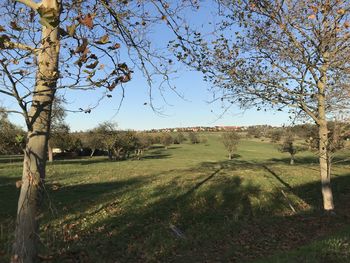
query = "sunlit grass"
{"x": 239, "y": 210}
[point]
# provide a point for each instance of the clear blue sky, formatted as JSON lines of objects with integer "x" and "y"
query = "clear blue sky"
{"x": 194, "y": 110}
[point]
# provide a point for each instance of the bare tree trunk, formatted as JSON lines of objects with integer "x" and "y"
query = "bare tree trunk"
{"x": 292, "y": 159}
{"x": 26, "y": 234}
{"x": 50, "y": 153}
{"x": 92, "y": 152}
{"x": 327, "y": 194}
{"x": 110, "y": 155}
{"x": 35, "y": 156}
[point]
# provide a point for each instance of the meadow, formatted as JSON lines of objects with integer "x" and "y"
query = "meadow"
{"x": 187, "y": 203}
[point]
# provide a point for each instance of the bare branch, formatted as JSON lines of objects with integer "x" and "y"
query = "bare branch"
{"x": 11, "y": 111}
{"x": 6, "y": 92}
{"x": 15, "y": 92}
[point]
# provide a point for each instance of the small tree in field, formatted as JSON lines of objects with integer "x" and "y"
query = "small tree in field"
{"x": 276, "y": 136}
{"x": 193, "y": 137}
{"x": 106, "y": 132}
{"x": 91, "y": 140}
{"x": 288, "y": 146}
{"x": 144, "y": 141}
{"x": 61, "y": 138}
{"x": 179, "y": 138}
{"x": 254, "y": 132}
{"x": 230, "y": 141}
{"x": 166, "y": 139}
{"x": 125, "y": 142}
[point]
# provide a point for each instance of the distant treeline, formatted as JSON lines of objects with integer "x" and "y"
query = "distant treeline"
{"x": 107, "y": 140}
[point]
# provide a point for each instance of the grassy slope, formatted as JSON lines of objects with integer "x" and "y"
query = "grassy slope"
{"x": 238, "y": 210}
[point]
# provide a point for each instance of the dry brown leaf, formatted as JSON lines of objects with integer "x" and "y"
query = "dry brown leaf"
{"x": 103, "y": 40}
{"x": 92, "y": 65}
{"x": 341, "y": 12}
{"x": 314, "y": 8}
{"x": 87, "y": 21}
{"x": 14, "y": 26}
{"x": 71, "y": 29}
{"x": 82, "y": 48}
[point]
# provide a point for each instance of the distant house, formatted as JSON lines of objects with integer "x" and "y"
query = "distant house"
{"x": 57, "y": 150}
{"x": 228, "y": 128}
{"x": 199, "y": 128}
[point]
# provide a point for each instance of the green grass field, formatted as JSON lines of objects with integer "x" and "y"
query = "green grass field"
{"x": 253, "y": 208}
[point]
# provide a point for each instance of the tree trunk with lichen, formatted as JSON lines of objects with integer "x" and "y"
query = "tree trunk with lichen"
{"x": 35, "y": 154}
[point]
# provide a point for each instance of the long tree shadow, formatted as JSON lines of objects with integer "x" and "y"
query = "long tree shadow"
{"x": 194, "y": 188}
{"x": 150, "y": 226}
{"x": 156, "y": 155}
{"x": 81, "y": 161}
{"x": 311, "y": 160}
{"x": 219, "y": 223}
{"x": 275, "y": 175}
{"x": 213, "y": 217}
{"x": 87, "y": 196}
{"x": 156, "y": 152}
{"x": 298, "y": 160}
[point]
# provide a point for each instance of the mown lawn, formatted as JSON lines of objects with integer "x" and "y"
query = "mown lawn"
{"x": 186, "y": 204}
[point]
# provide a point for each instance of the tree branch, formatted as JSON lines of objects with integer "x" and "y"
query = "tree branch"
{"x": 13, "y": 45}
{"x": 35, "y": 6}
{"x": 15, "y": 93}
{"x": 29, "y": 3}
{"x": 11, "y": 111}
{"x": 7, "y": 93}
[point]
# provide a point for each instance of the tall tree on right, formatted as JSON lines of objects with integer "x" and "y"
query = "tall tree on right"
{"x": 281, "y": 53}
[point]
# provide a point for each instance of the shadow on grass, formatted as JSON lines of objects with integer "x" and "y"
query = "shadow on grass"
{"x": 155, "y": 156}
{"x": 311, "y": 160}
{"x": 8, "y": 197}
{"x": 217, "y": 218}
{"x": 156, "y": 152}
{"x": 214, "y": 217}
{"x": 81, "y": 161}
{"x": 298, "y": 160}
{"x": 236, "y": 156}
{"x": 278, "y": 178}
{"x": 8, "y": 207}
{"x": 76, "y": 199}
